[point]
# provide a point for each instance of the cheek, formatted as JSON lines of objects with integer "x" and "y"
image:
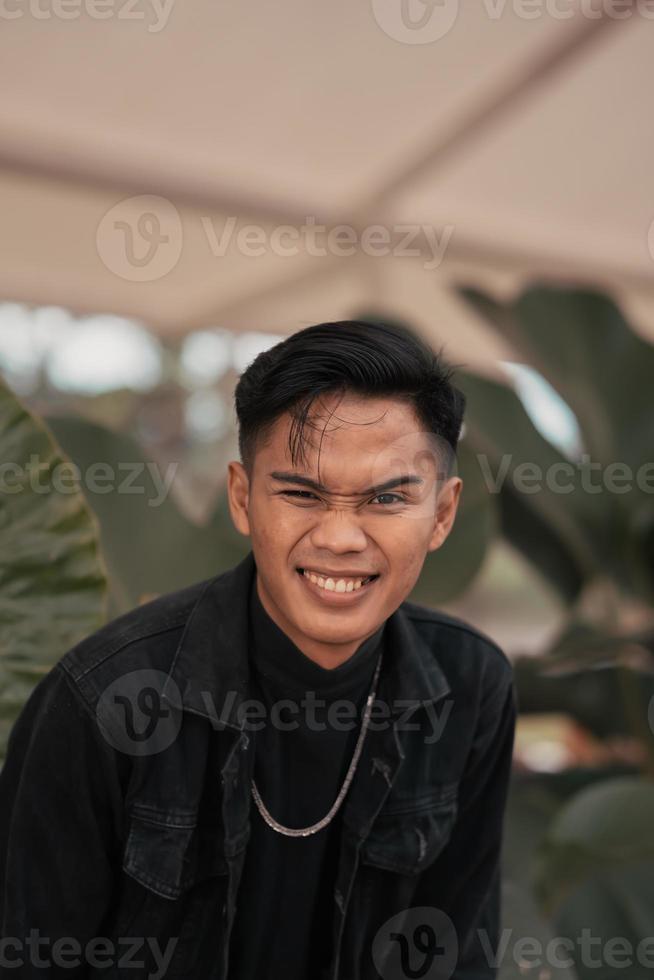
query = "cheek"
{"x": 273, "y": 557}
{"x": 269, "y": 524}
{"x": 407, "y": 539}
{"x": 276, "y": 533}
{"x": 406, "y": 563}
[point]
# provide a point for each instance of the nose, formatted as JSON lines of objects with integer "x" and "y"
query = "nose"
{"x": 339, "y": 532}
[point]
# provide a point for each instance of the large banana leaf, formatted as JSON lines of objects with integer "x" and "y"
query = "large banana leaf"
{"x": 149, "y": 545}
{"x": 594, "y": 873}
{"x": 596, "y": 546}
{"x": 52, "y": 579}
{"x": 549, "y": 528}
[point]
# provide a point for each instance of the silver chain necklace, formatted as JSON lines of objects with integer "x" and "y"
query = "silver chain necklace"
{"x": 314, "y": 828}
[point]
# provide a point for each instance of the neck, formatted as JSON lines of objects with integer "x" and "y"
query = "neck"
{"x": 326, "y": 655}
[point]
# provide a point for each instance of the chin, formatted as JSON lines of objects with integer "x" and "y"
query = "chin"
{"x": 335, "y": 635}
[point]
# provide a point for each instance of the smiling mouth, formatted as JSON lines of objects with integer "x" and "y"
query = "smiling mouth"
{"x": 334, "y": 583}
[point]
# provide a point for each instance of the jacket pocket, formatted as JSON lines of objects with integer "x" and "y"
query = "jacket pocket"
{"x": 407, "y": 836}
{"x": 168, "y": 853}
{"x": 173, "y": 892}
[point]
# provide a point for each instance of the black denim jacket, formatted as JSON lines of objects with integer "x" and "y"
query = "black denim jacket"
{"x": 125, "y": 801}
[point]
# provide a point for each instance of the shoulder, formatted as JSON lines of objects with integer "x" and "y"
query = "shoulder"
{"x": 460, "y": 647}
{"x": 145, "y": 637}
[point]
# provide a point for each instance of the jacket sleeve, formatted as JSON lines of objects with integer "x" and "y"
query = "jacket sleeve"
{"x": 58, "y": 793}
{"x": 465, "y": 880}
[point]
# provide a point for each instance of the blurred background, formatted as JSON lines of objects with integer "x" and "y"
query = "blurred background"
{"x": 184, "y": 184}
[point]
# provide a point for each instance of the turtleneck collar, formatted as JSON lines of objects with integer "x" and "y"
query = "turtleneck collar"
{"x": 276, "y": 656}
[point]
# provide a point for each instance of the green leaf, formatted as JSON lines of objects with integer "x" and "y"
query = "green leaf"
{"x": 550, "y": 529}
{"x": 581, "y": 344}
{"x": 594, "y": 870}
{"x": 53, "y": 586}
{"x": 150, "y": 546}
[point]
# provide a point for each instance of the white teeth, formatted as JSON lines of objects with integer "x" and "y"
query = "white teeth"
{"x": 335, "y": 585}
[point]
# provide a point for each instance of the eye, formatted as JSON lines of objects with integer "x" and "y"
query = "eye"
{"x": 396, "y": 498}
{"x": 386, "y": 499}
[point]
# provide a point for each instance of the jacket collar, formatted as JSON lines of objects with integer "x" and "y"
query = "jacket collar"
{"x": 209, "y": 673}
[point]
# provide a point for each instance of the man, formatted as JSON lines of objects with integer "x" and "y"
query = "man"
{"x": 288, "y": 770}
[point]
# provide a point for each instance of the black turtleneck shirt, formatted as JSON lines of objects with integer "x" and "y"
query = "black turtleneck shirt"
{"x": 283, "y": 924}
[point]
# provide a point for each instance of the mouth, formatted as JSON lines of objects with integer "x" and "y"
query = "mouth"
{"x": 333, "y": 587}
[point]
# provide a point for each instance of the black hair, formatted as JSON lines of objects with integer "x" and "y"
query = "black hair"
{"x": 368, "y": 357}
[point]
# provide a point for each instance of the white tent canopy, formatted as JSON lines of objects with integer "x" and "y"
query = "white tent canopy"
{"x": 189, "y": 163}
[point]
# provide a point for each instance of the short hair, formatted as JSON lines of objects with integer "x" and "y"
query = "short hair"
{"x": 369, "y": 357}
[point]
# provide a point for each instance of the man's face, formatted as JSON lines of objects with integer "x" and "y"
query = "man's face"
{"x": 336, "y": 524}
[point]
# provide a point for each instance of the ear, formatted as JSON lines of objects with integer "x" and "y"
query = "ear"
{"x": 446, "y": 508}
{"x": 238, "y": 496}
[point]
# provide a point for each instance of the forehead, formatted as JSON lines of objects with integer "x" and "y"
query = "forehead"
{"x": 360, "y": 440}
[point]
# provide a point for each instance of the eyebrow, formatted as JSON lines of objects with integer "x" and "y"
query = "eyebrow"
{"x": 305, "y": 481}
